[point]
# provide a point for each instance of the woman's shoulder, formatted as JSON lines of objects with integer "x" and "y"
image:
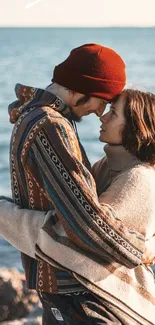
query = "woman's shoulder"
{"x": 100, "y": 164}
{"x": 140, "y": 175}
{"x": 143, "y": 170}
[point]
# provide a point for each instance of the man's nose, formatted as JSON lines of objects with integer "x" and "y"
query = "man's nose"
{"x": 100, "y": 110}
{"x": 103, "y": 118}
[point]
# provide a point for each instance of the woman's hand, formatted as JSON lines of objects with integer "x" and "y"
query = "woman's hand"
{"x": 149, "y": 253}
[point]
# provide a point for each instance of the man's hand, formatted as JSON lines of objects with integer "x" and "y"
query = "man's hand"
{"x": 149, "y": 253}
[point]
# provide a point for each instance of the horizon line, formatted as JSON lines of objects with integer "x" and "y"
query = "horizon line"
{"x": 73, "y": 26}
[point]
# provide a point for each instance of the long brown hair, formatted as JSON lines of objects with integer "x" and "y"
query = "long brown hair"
{"x": 139, "y": 131}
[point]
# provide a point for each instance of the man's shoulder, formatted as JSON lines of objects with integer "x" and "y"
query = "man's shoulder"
{"x": 35, "y": 114}
{"x": 33, "y": 121}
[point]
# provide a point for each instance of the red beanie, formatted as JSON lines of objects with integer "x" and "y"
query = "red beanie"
{"x": 93, "y": 70}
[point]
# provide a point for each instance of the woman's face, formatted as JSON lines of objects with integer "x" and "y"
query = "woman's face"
{"x": 113, "y": 122}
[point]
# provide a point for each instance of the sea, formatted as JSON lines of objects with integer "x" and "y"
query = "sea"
{"x": 28, "y": 56}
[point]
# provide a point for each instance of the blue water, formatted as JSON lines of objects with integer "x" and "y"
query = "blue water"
{"x": 28, "y": 56}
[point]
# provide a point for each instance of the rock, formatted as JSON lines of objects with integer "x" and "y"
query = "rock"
{"x": 24, "y": 321}
{"x": 16, "y": 301}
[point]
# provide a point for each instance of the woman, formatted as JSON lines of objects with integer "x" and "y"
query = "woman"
{"x": 129, "y": 169}
{"x": 125, "y": 181}
{"x": 117, "y": 292}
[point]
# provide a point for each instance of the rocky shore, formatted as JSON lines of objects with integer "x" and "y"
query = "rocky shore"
{"x": 18, "y": 306}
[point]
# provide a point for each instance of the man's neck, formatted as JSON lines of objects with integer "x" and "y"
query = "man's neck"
{"x": 53, "y": 88}
{"x": 60, "y": 92}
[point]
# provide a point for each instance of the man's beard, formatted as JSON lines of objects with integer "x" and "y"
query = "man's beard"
{"x": 75, "y": 117}
{"x": 81, "y": 101}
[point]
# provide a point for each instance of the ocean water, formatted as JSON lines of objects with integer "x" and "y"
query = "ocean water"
{"x": 28, "y": 56}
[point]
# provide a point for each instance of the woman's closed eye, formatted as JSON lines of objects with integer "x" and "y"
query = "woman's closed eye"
{"x": 113, "y": 111}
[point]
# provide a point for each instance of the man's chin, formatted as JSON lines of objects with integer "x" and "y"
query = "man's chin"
{"x": 76, "y": 118}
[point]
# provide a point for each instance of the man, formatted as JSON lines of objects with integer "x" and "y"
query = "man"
{"x": 47, "y": 160}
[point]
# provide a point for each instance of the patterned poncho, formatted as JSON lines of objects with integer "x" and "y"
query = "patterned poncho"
{"x": 48, "y": 170}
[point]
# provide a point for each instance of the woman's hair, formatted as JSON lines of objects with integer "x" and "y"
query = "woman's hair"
{"x": 139, "y": 132}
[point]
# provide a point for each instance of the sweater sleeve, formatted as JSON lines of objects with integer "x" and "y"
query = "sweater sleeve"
{"x": 91, "y": 226}
{"x": 21, "y": 227}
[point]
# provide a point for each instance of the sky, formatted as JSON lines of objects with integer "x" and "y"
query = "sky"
{"x": 78, "y": 13}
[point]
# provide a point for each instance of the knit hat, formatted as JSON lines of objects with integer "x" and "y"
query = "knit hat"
{"x": 93, "y": 70}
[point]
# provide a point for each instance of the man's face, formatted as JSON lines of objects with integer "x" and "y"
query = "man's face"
{"x": 82, "y": 105}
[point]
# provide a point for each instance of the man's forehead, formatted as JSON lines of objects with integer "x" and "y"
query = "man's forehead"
{"x": 101, "y": 99}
